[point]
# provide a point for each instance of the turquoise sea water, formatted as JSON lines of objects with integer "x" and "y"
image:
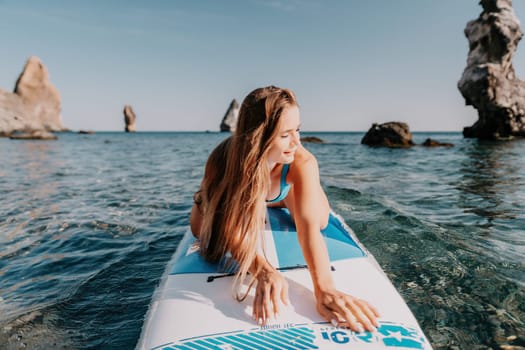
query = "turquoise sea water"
{"x": 88, "y": 223}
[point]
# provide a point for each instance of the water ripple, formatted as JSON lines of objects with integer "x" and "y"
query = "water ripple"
{"x": 88, "y": 224}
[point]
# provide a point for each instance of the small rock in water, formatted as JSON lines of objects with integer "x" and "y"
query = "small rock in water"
{"x": 33, "y": 135}
{"x": 392, "y": 134}
{"x": 434, "y": 143}
{"x": 311, "y": 139}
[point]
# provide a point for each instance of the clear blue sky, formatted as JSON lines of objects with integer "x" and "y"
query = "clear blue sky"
{"x": 179, "y": 63}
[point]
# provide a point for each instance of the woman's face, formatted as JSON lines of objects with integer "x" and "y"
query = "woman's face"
{"x": 283, "y": 147}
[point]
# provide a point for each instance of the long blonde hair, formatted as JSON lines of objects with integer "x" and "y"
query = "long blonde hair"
{"x": 234, "y": 204}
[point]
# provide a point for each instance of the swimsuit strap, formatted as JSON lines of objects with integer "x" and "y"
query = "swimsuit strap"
{"x": 284, "y": 187}
{"x": 284, "y": 172}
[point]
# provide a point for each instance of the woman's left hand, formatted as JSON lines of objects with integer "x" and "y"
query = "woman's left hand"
{"x": 346, "y": 311}
{"x": 271, "y": 290}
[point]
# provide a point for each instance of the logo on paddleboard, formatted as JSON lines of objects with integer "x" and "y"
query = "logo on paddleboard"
{"x": 310, "y": 336}
{"x": 390, "y": 335}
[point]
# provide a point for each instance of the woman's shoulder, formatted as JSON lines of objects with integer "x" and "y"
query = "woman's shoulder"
{"x": 304, "y": 163}
{"x": 304, "y": 156}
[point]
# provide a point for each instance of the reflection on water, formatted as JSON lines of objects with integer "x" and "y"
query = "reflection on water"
{"x": 491, "y": 173}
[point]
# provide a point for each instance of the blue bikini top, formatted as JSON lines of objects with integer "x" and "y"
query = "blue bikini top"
{"x": 285, "y": 188}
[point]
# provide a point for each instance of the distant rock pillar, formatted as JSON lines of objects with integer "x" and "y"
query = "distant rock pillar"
{"x": 489, "y": 82}
{"x": 229, "y": 121}
{"x": 129, "y": 119}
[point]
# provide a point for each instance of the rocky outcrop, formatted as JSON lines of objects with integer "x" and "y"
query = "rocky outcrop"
{"x": 33, "y": 135}
{"x": 391, "y": 134}
{"x": 434, "y": 143}
{"x": 129, "y": 119}
{"x": 489, "y": 82}
{"x": 34, "y": 104}
{"x": 229, "y": 121}
{"x": 311, "y": 139}
{"x": 13, "y": 115}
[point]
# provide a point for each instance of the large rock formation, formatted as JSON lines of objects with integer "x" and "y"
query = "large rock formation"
{"x": 391, "y": 134}
{"x": 34, "y": 104}
{"x": 229, "y": 121}
{"x": 129, "y": 119}
{"x": 489, "y": 82}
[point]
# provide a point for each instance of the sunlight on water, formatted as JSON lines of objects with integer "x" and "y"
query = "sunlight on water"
{"x": 88, "y": 223}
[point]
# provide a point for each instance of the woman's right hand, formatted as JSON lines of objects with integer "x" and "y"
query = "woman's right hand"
{"x": 270, "y": 292}
{"x": 344, "y": 310}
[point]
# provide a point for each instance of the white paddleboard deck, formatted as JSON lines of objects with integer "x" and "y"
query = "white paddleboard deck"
{"x": 193, "y": 308}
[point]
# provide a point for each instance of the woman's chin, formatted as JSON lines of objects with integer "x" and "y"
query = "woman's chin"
{"x": 288, "y": 158}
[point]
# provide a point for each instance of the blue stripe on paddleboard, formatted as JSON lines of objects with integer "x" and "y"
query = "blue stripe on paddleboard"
{"x": 178, "y": 347}
{"x": 274, "y": 341}
{"x": 212, "y": 343}
{"x": 338, "y": 241}
{"x": 206, "y": 344}
{"x": 195, "y": 346}
{"x": 246, "y": 344}
{"x": 192, "y": 262}
{"x": 230, "y": 341}
{"x": 250, "y": 341}
{"x": 279, "y": 334}
{"x": 261, "y": 344}
{"x": 301, "y": 332}
{"x": 305, "y": 337}
{"x": 188, "y": 259}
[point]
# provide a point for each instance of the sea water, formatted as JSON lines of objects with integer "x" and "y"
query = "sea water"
{"x": 89, "y": 222}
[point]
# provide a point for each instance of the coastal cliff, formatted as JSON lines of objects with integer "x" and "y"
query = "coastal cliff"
{"x": 489, "y": 82}
{"x": 33, "y": 105}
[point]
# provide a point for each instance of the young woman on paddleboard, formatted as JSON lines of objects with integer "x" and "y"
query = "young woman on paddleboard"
{"x": 264, "y": 164}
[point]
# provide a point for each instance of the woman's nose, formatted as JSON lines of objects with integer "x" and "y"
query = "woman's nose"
{"x": 296, "y": 138}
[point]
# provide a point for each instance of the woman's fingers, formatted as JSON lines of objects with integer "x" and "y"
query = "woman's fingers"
{"x": 276, "y": 294}
{"x": 284, "y": 294}
{"x": 346, "y": 311}
{"x": 257, "y": 307}
{"x": 267, "y": 303}
{"x": 369, "y": 311}
{"x": 269, "y": 292}
{"x": 356, "y": 318}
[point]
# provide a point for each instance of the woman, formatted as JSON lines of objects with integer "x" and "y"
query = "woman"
{"x": 242, "y": 176}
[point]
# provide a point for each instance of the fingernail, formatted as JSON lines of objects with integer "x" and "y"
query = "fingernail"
{"x": 260, "y": 321}
{"x": 373, "y": 330}
{"x": 360, "y": 328}
{"x": 333, "y": 321}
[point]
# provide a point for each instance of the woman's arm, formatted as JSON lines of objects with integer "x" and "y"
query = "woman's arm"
{"x": 196, "y": 214}
{"x": 271, "y": 289}
{"x": 309, "y": 201}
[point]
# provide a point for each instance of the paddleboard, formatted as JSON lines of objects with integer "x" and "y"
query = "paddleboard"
{"x": 193, "y": 308}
